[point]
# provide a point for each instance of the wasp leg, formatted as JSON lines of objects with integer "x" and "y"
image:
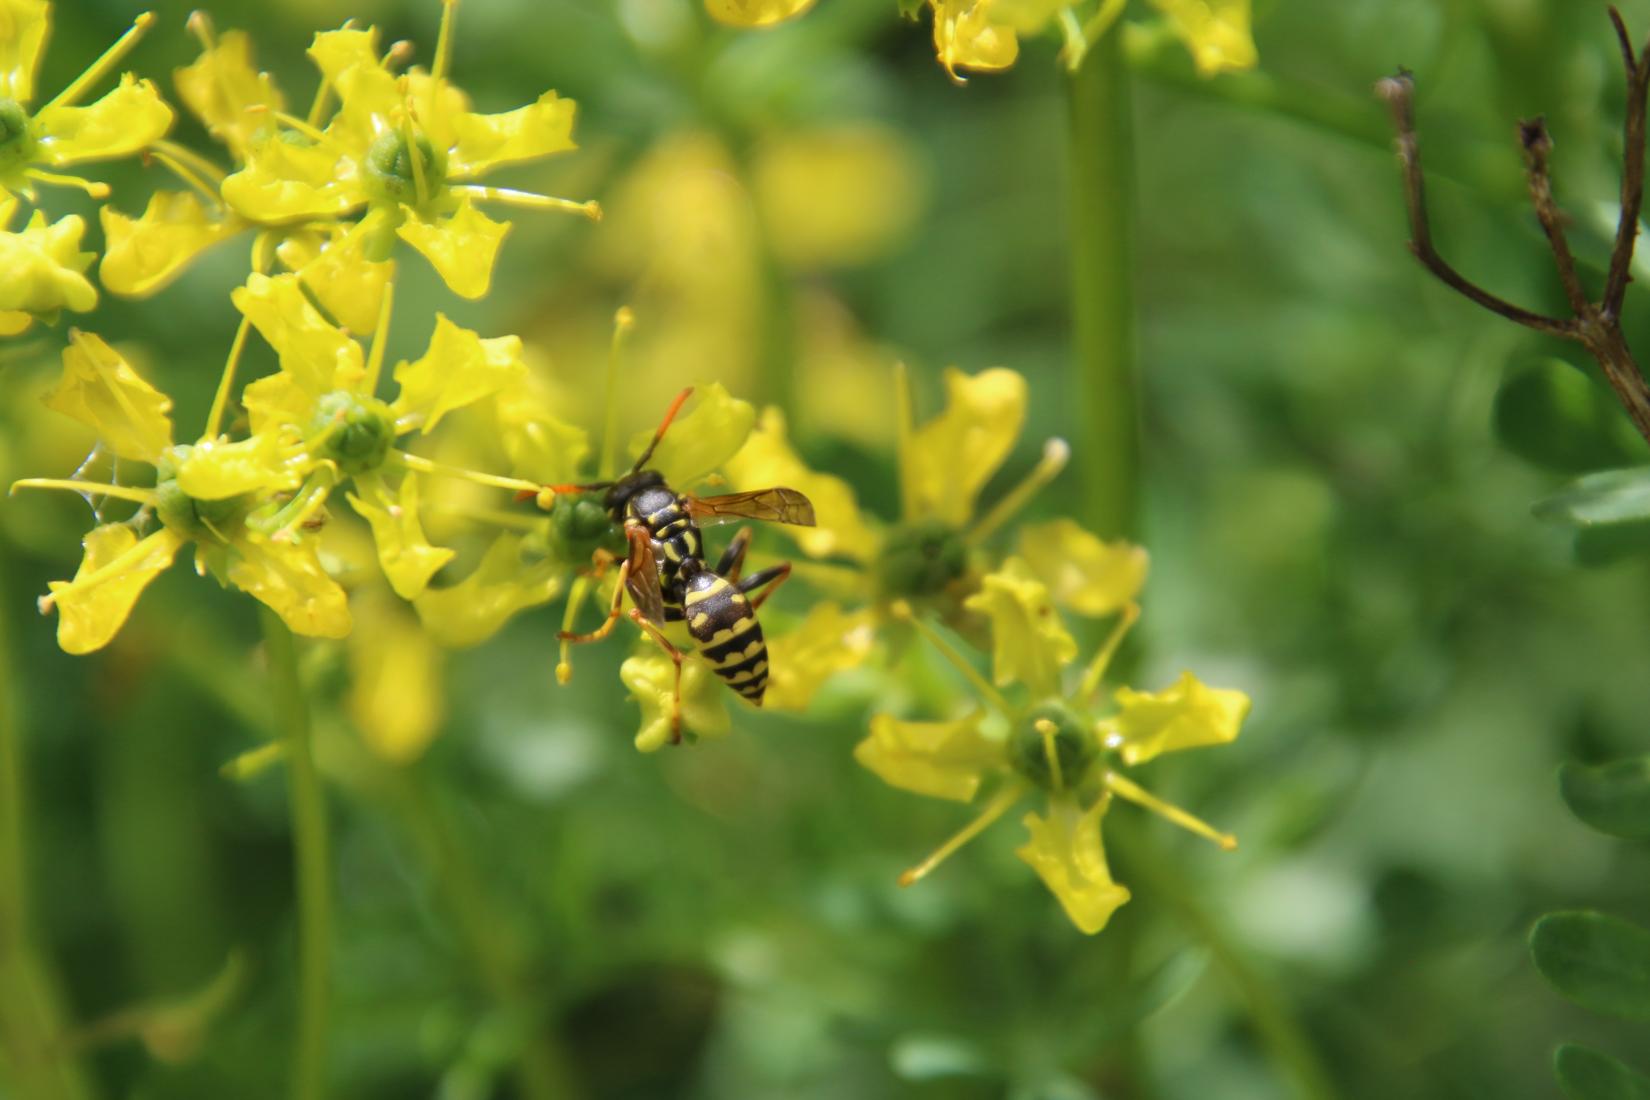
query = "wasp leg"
{"x": 612, "y": 614}
{"x": 773, "y": 576}
{"x": 600, "y": 562}
{"x": 733, "y": 558}
{"x": 676, "y": 657}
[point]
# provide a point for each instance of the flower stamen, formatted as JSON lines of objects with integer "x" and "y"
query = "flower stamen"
{"x": 132, "y": 493}
{"x": 1056, "y": 453}
{"x": 1047, "y": 729}
{"x": 444, "y": 41}
{"x": 220, "y": 401}
{"x": 529, "y": 200}
{"x": 902, "y": 610}
{"x": 1141, "y": 797}
{"x": 105, "y": 64}
{"x": 907, "y": 430}
{"x": 380, "y": 340}
{"x": 1096, "y": 672}
{"x": 427, "y": 466}
{"x": 994, "y": 809}
{"x": 624, "y": 319}
{"x": 93, "y": 188}
{"x": 575, "y": 600}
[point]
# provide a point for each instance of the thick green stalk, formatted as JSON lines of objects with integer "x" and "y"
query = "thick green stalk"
{"x": 1101, "y": 164}
{"x": 31, "y": 1057}
{"x": 314, "y": 883}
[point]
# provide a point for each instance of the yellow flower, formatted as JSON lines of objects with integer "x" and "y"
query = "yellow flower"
{"x": 42, "y": 270}
{"x": 402, "y": 155}
{"x": 1052, "y": 740}
{"x": 318, "y": 422}
{"x": 58, "y": 133}
{"x": 967, "y": 37}
{"x": 395, "y": 696}
{"x": 651, "y": 678}
{"x": 755, "y": 13}
{"x": 100, "y": 389}
{"x": 1216, "y": 31}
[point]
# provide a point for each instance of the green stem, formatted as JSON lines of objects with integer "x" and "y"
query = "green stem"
{"x": 30, "y": 1019}
{"x": 542, "y": 1071}
{"x": 314, "y": 887}
{"x": 1101, "y": 163}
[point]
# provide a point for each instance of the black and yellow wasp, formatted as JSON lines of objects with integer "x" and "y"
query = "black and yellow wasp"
{"x": 664, "y": 570}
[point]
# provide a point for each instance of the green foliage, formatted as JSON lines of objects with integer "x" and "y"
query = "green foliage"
{"x": 1557, "y": 416}
{"x": 1601, "y": 500}
{"x": 1613, "y": 798}
{"x": 1587, "y": 1074}
{"x": 1599, "y": 961}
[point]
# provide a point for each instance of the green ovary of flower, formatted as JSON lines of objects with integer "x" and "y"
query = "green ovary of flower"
{"x": 921, "y": 559}
{"x": 579, "y": 526}
{"x": 1074, "y": 748}
{"x": 16, "y": 146}
{"x": 351, "y": 429}
{"x": 187, "y": 515}
{"x": 395, "y": 176}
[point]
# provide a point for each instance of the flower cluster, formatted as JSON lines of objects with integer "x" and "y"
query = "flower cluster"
{"x": 336, "y": 489}
{"x": 984, "y": 35}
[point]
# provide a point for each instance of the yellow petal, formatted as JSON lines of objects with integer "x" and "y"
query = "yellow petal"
{"x": 541, "y": 447}
{"x": 101, "y": 390}
{"x": 42, "y": 268}
{"x": 704, "y": 438}
{"x": 395, "y": 683}
{"x": 651, "y": 678}
{"x": 537, "y": 130}
{"x": 952, "y": 456}
{"x": 473, "y": 610}
{"x": 217, "y": 469}
{"x": 287, "y": 577}
{"x": 836, "y": 197}
{"x": 767, "y": 459}
{"x": 937, "y": 759}
{"x": 1082, "y": 571}
{"x": 318, "y": 357}
{"x": 1027, "y": 16}
{"x": 285, "y": 181}
{"x": 461, "y": 247}
{"x": 116, "y": 569}
{"x": 336, "y": 270}
{"x": 225, "y": 90}
{"x": 1186, "y": 716}
{"x": 23, "y": 26}
{"x": 1216, "y": 31}
{"x": 141, "y": 255}
{"x": 1065, "y": 850}
{"x": 459, "y": 369}
{"x": 407, "y": 558}
{"x": 755, "y": 13}
{"x": 800, "y": 660}
{"x": 12, "y": 322}
{"x": 276, "y": 402}
{"x": 1029, "y": 643}
{"x": 123, "y": 122}
{"x": 966, "y": 36}
{"x": 352, "y": 62}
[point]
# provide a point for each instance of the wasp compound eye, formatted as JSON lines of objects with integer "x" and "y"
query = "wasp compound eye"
{"x": 353, "y": 430}
{"x": 1051, "y": 747}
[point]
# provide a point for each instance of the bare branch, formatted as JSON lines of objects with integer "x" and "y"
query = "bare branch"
{"x": 1537, "y": 143}
{"x": 1399, "y": 92}
{"x": 1625, "y": 39}
{"x": 1632, "y": 173}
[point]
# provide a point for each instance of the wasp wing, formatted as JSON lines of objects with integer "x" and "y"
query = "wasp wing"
{"x": 642, "y": 578}
{"x": 777, "y": 505}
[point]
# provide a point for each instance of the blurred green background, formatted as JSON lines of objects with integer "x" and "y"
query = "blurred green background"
{"x": 1340, "y": 457}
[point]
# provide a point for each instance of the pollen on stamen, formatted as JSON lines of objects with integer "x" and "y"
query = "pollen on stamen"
{"x": 46, "y": 604}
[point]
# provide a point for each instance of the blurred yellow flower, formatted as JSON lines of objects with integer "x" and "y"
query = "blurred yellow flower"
{"x": 42, "y": 269}
{"x": 835, "y": 196}
{"x": 59, "y": 133}
{"x": 1216, "y": 31}
{"x": 1052, "y": 740}
{"x": 967, "y": 37}
{"x": 100, "y": 389}
{"x": 755, "y": 13}
{"x": 651, "y": 678}
{"x": 395, "y": 696}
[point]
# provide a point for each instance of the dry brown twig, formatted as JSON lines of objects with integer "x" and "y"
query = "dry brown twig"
{"x": 1594, "y": 324}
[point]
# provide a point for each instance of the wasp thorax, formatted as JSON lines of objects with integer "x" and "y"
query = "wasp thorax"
{"x": 187, "y": 515}
{"x": 394, "y": 172}
{"x": 922, "y": 559}
{"x": 351, "y": 429}
{"x": 1051, "y": 747}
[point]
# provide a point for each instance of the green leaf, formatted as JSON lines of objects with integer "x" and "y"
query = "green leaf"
{"x": 1613, "y": 798}
{"x": 1557, "y": 416}
{"x": 1599, "y": 546}
{"x": 1586, "y": 1074}
{"x": 1609, "y": 497}
{"x": 1598, "y": 961}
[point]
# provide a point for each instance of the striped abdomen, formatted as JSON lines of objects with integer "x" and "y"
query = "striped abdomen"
{"x": 721, "y": 620}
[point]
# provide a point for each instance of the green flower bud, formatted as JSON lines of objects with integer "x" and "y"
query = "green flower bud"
{"x": 921, "y": 559}
{"x": 579, "y": 526}
{"x": 353, "y": 430}
{"x": 390, "y": 166}
{"x": 16, "y": 146}
{"x": 1075, "y": 747}
{"x": 182, "y": 513}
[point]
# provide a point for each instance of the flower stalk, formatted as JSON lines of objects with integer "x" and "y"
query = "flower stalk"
{"x": 313, "y": 861}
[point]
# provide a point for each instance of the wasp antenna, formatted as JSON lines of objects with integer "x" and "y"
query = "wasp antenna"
{"x": 664, "y": 426}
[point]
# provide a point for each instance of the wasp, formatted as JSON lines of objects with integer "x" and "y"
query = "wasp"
{"x": 665, "y": 574}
